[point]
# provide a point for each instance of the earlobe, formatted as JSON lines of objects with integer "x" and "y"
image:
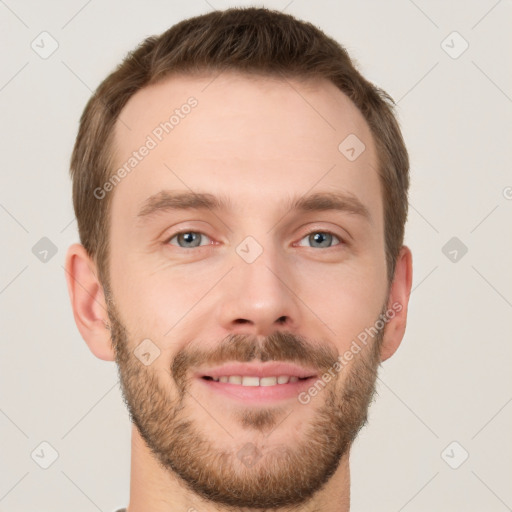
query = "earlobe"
{"x": 88, "y": 302}
{"x": 398, "y": 303}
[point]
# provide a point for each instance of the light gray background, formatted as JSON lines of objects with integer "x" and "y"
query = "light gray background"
{"x": 450, "y": 379}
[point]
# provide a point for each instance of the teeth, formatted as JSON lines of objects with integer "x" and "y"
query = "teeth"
{"x": 250, "y": 381}
{"x": 256, "y": 381}
{"x": 268, "y": 381}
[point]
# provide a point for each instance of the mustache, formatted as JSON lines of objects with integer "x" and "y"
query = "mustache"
{"x": 279, "y": 346}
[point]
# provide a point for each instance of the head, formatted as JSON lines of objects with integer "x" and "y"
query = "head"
{"x": 205, "y": 167}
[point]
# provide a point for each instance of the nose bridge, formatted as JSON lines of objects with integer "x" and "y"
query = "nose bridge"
{"x": 256, "y": 297}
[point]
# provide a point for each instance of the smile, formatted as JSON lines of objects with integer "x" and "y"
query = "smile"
{"x": 256, "y": 381}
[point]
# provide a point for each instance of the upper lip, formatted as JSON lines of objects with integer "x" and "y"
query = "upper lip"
{"x": 270, "y": 369}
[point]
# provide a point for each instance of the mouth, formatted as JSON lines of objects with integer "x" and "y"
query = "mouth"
{"x": 257, "y": 382}
{"x": 252, "y": 380}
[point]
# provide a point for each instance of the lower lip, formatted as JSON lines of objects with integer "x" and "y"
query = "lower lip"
{"x": 258, "y": 394}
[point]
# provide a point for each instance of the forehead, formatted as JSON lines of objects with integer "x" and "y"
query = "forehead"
{"x": 248, "y": 138}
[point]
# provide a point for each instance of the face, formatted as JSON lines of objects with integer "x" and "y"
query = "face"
{"x": 232, "y": 313}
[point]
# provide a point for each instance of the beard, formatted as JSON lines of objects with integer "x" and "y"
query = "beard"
{"x": 242, "y": 473}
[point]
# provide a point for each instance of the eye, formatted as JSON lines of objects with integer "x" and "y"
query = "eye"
{"x": 192, "y": 239}
{"x": 188, "y": 239}
{"x": 322, "y": 238}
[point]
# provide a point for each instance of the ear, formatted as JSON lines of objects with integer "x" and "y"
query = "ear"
{"x": 398, "y": 301}
{"x": 88, "y": 302}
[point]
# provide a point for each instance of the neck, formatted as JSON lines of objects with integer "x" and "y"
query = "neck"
{"x": 153, "y": 488}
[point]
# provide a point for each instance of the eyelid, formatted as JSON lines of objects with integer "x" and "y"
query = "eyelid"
{"x": 320, "y": 227}
{"x": 171, "y": 231}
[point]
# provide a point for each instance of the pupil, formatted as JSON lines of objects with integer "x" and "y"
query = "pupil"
{"x": 320, "y": 237}
{"x": 189, "y": 237}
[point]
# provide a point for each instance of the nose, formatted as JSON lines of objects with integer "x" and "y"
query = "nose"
{"x": 258, "y": 298}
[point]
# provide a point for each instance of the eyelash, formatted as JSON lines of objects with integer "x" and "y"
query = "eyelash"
{"x": 324, "y": 231}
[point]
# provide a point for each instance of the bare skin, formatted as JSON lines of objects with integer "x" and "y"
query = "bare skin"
{"x": 258, "y": 142}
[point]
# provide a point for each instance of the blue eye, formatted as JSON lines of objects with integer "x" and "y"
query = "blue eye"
{"x": 190, "y": 239}
{"x": 322, "y": 238}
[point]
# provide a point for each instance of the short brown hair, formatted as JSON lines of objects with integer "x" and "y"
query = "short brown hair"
{"x": 247, "y": 40}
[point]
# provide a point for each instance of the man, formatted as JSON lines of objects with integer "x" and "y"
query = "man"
{"x": 241, "y": 197}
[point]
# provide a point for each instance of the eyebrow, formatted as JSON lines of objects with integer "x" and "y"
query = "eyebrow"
{"x": 169, "y": 200}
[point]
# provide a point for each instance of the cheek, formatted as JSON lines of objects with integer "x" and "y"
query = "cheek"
{"x": 348, "y": 297}
{"x": 158, "y": 302}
